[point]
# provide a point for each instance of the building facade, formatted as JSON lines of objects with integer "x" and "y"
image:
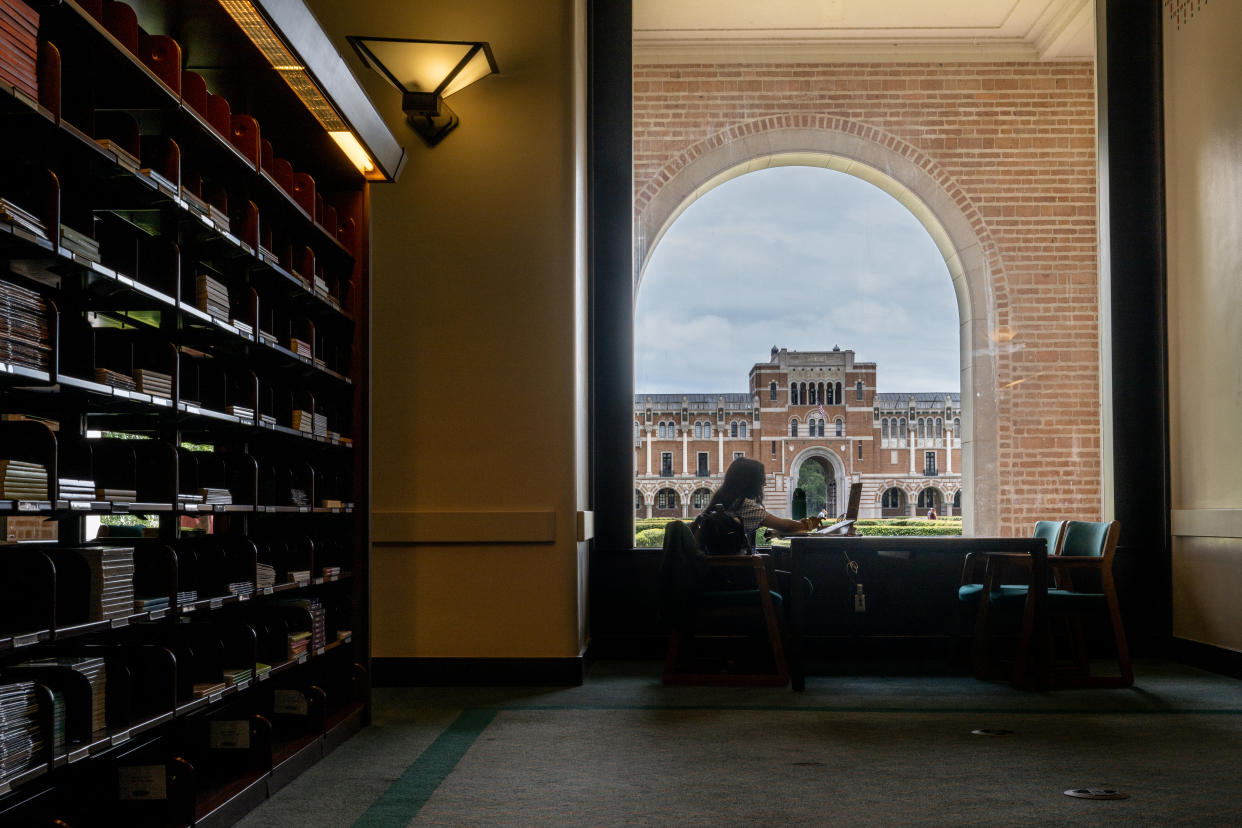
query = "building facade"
{"x": 817, "y": 407}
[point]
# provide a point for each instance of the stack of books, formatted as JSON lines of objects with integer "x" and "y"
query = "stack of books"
{"x": 244, "y": 328}
{"x": 21, "y": 737}
{"x": 19, "y": 46}
{"x": 21, "y": 218}
{"x": 331, "y": 572}
{"x": 116, "y": 495}
{"x": 70, "y": 489}
{"x": 187, "y": 596}
{"x": 261, "y": 670}
{"x": 161, "y": 181}
{"x": 300, "y": 347}
{"x": 301, "y": 577}
{"x": 321, "y": 287}
{"x": 245, "y": 412}
{"x": 23, "y": 480}
{"x": 96, "y": 674}
{"x": 23, "y": 325}
{"x": 219, "y": 217}
{"x": 151, "y": 603}
{"x": 315, "y": 610}
{"x": 319, "y": 425}
{"x": 196, "y": 204}
{"x": 267, "y": 338}
{"x": 186, "y": 497}
{"x": 58, "y": 722}
{"x": 154, "y": 383}
{"x": 268, "y": 256}
{"x": 112, "y": 580}
{"x": 123, "y": 156}
{"x": 212, "y": 296}
{"x": 299, "y": 497}
{"x": 79, "y": 244}
{"x": 298, "y": 642}
{"x": 236, "y": 675}
{"x": 267, "y": 419}
{"x": 241, "y": 588}
{"x": 203, "y": 689}
{"x": 303, "y": 421}
{"x": 116, "y": 379}
{"x": 210, "y": 495}
{"x": 332, "y": 503}
{"x": 265, "y": 576}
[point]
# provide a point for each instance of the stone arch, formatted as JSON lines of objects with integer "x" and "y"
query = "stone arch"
{"x": 931, "y": 195}
{"x": 834, "y": 462}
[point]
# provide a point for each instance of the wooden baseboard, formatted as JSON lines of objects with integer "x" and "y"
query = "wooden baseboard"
{"x": 1206, "y": 657}
{"x": 442, "y": 672}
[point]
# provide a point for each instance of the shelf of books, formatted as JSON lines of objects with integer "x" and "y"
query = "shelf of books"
{"x": 182, "y": 427}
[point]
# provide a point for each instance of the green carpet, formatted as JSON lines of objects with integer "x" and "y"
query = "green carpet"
{"x": 624, "y": 750}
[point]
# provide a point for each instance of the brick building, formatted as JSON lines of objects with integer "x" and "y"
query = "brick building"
{"x": 802, "y": 407}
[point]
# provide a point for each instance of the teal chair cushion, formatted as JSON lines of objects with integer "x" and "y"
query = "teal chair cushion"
{"x": 1009, "y": 596}
{"x": 969, "y": 593}
{"x": 1076, "y": 601}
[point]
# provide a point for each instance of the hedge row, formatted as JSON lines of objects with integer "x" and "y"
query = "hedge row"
{"x": 650, "y": 532}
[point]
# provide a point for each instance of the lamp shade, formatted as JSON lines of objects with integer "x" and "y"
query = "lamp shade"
{"x": 439, "y": 67}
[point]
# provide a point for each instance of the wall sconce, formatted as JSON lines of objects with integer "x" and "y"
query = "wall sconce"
{"x": 426, "y": 72}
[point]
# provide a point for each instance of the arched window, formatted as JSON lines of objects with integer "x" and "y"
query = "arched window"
{"x": 920, "y": 428}
{"x": 700, "y": 498}
{"x": 802, "y": 393}
{"x": 638, "y": 500}
{"x": 957, "y": 499}
{"x": 884, "y": 429}
{"x": 902, "y": 431}
{"x": 893, "y": 499}
{"x": 793, "y": 393}
{"x": 662, "y": 432}
{"x": 821, "y": 428}
{"x": 793, "y": 427}
{"x": 839, "y": 397}
{"x": 698, "y": 430}
{"x": 840, "y": 427}
{"x": 733, "y": 429}
{"x": 858, "y": 390}
{"x": 666, "y": 499}
{"x": 772, "y": 390}
{"x": 822, "y": 398}
{"x": 939, "y": 427}
{"x": 741, "y": 429}
{"x": 929, "y": 499}
{"x": 828, "y": 394}
{"x": 957, "y": 427}
{"x": 636, "y": 432}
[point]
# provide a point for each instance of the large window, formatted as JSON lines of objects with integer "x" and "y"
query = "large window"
{"x": 702, "y": 468}
{"x": 666, "y": 464}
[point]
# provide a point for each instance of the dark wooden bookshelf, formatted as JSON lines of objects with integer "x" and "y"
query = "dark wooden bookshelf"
{"x": 183, "y": 306}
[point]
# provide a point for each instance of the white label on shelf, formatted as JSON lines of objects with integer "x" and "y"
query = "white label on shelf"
{"x": 80, "y": 753}
{"x": 120, "y": 738}
{"x": 120, "y": 392}
{"x": 120, "y": 508}
{"x": 266, "y": 591}
{"x": 291, "y": 702}
{"x": 120, "y": 622}
{"x": 27, "y": 506}
{"x": 214, "y": 697}
{"x": 242, "y": 685}
{"x": 216, "y": 603}
{"x": 187, "y": 608}
{"x": 319, "y": 651}
{"x": 241, "y": 598}
{"x": 25, "y": 640}
{"x": 302, "y": 658}
{"x": 192, "y": 409}
{"x": 189, "y": 507}
{"x": 137, "y": 782}
{"x": 230, "y": 734}
{"x": 80, "y": 504}
{"x": 156, "y": 615}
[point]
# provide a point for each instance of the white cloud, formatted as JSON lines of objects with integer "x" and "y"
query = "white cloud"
{"x": 801, "y": 258}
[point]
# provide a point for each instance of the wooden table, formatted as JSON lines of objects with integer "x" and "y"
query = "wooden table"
{"x": 1036, "y": 602}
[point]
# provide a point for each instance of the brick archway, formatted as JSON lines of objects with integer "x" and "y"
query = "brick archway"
{"x": 931, "y": 195}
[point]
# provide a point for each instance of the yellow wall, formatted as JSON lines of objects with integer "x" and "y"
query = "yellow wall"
{"x": 478, "y": 342}
{"x": 1203, "y": 159}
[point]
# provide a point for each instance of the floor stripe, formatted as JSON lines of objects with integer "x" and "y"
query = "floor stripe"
{"x": 403, "y": 799}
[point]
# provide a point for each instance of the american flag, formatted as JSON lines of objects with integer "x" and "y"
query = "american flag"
{"x": 822, "y": 412}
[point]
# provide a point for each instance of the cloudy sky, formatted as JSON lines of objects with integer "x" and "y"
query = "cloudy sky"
{"x": 801, "y": 258}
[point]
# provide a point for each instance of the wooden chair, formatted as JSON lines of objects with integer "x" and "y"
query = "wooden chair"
{"x": 697, "y": 610}
{"x": 971, "y": 589}
{"x": 1087, "y": 548}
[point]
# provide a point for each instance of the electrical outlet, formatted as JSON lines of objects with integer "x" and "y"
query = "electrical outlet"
{"x": 860, "y": 599}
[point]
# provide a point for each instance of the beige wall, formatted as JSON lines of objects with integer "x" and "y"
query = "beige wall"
{"x": 1203, "y": 158}
{"x": 478, "y": 342}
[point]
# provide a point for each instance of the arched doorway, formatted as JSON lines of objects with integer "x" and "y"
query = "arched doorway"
{"x": 915, "y": 180}
{"x": 821, "y": 474}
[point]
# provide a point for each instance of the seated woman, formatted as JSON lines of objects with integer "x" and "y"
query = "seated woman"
{"x": 742, "y": 493}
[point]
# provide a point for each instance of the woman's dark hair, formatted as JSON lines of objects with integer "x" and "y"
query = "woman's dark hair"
{"x": 745, "y": 478}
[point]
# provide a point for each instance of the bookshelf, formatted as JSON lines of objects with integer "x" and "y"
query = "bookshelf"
{"x": 183, "y": 306}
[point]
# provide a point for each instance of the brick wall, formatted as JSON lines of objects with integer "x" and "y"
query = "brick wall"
{"x": 1018, "y": 142}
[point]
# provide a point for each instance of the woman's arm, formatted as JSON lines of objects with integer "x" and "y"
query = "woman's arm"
{"x": 787, "y": 526}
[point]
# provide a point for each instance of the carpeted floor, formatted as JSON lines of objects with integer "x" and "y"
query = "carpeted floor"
{"x": 891, "y": 750}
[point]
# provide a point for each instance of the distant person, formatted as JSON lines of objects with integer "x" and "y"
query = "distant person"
{"x": 823, "y": 513}
{"x": 742, "y": 493}
{"x": 931, "y": 514}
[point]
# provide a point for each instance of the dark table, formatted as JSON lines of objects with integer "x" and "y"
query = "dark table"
{"x": 1036, "y": 602}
